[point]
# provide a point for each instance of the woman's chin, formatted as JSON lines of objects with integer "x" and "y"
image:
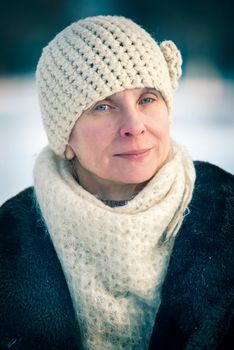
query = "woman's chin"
{"x": 134, "y": 178}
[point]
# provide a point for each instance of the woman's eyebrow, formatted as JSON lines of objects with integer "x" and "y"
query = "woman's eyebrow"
{"x": 151, "y": 90}
{"x": 104, "y": 99}
{"x": 112, "y": 98}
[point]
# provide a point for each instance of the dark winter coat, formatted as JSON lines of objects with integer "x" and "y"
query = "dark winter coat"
{"x": 196, "y": 312}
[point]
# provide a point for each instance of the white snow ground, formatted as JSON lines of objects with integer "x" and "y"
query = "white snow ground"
{"x": 203, "y": 122}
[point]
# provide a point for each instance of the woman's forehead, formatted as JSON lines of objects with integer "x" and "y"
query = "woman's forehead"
{"x": 136, "y": 91}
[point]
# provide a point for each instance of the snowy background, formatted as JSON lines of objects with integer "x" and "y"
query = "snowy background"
{"x": 203, "y": 122}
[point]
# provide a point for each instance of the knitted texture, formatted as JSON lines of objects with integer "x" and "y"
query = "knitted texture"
{"x": 95, "y": 58}
{"x": 114, "y": 259}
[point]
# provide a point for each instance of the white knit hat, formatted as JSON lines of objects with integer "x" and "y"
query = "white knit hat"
{"x": 95, "y": 58}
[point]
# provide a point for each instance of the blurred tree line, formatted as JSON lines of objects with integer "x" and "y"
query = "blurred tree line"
{"x": 201, "y": 29}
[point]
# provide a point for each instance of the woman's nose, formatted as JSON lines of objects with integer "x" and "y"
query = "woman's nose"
{"x": 132, "y": 124}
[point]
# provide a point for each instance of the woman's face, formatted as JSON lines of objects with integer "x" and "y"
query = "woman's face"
{"x": 123, "y": 139}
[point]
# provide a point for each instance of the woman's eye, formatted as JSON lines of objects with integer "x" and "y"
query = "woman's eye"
{"x": 146, "y": 100}
{"x": 102, "y": 107}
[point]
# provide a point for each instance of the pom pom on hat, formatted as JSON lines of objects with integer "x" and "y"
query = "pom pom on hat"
{"x": 174, "y": 61}
{"x": 94, "y": 58}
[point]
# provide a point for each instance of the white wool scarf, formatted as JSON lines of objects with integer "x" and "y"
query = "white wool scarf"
{"x": 114, "y": 259}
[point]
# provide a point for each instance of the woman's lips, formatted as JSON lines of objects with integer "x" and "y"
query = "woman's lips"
{"x": 134, "y": 154}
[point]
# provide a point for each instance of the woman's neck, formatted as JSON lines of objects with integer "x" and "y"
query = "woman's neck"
{"x": 107, "y": 190}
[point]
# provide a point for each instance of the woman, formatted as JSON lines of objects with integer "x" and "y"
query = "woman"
{"x": 116, "y": 246}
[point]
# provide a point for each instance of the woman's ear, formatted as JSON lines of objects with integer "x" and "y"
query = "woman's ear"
{"x": 69, "y": 153}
